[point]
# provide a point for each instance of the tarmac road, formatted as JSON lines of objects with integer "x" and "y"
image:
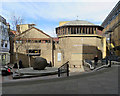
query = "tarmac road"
{"x": 101, "y": 82}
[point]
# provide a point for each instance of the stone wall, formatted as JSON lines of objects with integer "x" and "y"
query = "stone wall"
{"x": 77, "y": 48}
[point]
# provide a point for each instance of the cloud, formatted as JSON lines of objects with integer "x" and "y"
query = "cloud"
{"x": 55, "y": 10}
{"x": 45, "y": 14}
{"x": 59, "y": 1}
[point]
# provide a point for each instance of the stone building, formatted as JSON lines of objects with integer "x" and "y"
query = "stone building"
{"x": 79, "y": 40}
{"x": 112, "y": 26}
{"x": 32, "y": 43}
{"x": 76, "y": 40}
{"x": 4, "y": 41}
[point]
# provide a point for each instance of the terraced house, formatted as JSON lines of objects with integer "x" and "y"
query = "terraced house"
{"x": 4, "y": 42}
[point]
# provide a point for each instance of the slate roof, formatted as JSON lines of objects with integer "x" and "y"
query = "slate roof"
{"x": 78, "y": 22}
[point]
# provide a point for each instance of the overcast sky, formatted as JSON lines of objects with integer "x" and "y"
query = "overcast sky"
{"x": 47, "y": 14}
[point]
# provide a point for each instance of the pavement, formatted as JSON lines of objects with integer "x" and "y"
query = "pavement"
{"x": 103, "y": 81}
{"x": 29, "y": 72}
{"x": 49, "y": 72}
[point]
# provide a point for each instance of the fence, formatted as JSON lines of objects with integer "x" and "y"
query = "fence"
{"x": 64, "y": 69}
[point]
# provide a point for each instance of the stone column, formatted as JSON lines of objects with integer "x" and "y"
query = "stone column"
{"x": 63, "y": 30}
{"x": 81, "y": 30}
{"x": 104, "y": 47}
{"x": 84, "y": 30}
{"x": 91, "y": 30}
{"x": 95, "y": 30}
{"x": 78, "y": 30}
{"x": 66, "y": 30}
{"x": 60, "y": 31}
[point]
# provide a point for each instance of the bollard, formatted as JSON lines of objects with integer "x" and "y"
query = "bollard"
{"x": 67, "y": 69}
{"x": 58, "y": 72}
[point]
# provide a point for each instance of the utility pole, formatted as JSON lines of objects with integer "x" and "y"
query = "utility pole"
{"x": 110, "y": 46}
{"x": 110, "y": 51}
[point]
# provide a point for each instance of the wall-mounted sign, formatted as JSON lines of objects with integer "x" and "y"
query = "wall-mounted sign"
{"x": 78, "y": 45}
{"x": 59, "y": 57}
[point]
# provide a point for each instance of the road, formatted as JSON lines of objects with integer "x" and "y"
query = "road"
{"x": 101, "y": 82}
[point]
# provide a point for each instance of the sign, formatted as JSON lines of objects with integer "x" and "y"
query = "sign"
{"x": 59, "y": 57}
{"x": 78, "y": 45}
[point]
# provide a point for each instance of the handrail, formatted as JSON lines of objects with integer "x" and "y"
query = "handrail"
{"x": 90, "y": 65}
{"x": 63, "y": 69}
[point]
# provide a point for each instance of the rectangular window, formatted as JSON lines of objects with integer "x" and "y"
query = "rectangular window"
{"x": 36, "y": 41}
{"x": 83, "y": 31}
{"x": 33, "y": 51}
{"x": 68, "y": 30}
{"x": 20, "y": 41}
{"x": 39, "y": 41}
{"x": 72, "y": 30}
{"x": 57, "y": 42}
{"x": 29, "y": 41}
{"x": 43, "y": 41}
{"x": 5, "y": 44}
{"x": 2, "y": 43}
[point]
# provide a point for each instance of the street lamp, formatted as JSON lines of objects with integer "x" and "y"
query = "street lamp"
{"x": 110, "y": 31}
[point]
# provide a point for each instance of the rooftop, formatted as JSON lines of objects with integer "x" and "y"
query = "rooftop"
{"x": 78, "y": 22}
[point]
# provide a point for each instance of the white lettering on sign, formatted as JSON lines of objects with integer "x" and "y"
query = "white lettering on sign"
{"x": 59, "y": 57}
{"x": 77, "y": 45}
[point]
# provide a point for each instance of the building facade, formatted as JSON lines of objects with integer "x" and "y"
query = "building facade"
{"x": 30, "y": 44}
{"x": 76, "y": 41}
{"x": 4, "y": 42}
{"x": 112, "y": 26}
{"x": 11, "y": 39}
{"x": 79, "y": 40}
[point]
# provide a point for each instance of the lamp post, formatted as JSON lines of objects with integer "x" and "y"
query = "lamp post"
{"x": 110, "y": 51}
{"x": 110, "y": 46}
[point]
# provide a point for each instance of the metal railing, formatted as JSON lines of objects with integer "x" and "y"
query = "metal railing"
{"x": 64, "y": 70}
{"x": 102, "y": 63}
{"x": 89, "y": 64}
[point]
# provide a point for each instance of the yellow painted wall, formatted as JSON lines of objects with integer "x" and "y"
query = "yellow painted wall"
{"x": 115, "y": 35}
{"x": 63, "y": 22}
{"x": 23, "y": 27}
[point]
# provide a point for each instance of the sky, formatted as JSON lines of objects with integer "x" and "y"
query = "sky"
{"x": 47, "y": 14}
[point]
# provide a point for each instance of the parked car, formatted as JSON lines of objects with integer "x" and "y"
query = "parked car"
{"x": 6, "y": 70}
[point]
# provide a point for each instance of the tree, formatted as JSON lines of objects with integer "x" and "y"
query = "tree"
{"x": 16, "y": 20}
